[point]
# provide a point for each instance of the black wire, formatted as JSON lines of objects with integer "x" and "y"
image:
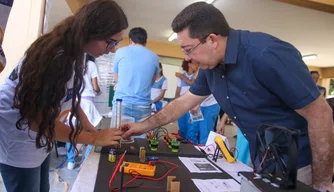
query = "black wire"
{"x": 235, "y": 150}
{"x": 131, "y": 187}
{"x": 160, "y": 137}
{"x": 158, "y": 130}
{"x": 166, "y": 168}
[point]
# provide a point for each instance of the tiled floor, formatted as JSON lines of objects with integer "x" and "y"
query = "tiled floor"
{"x": 62, "y": 179}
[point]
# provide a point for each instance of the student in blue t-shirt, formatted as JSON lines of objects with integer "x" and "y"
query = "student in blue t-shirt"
{"x": 159, "y": 89}
{"x": 183, "y": 84}
{"x": 315, "y": 76}
{"x": 135, "y": 70}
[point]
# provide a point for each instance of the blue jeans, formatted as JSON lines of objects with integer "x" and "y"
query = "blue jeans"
{"x": 26, "y": 179}
{"x": 158, "y": 105}
{"x": 139, "y": 112}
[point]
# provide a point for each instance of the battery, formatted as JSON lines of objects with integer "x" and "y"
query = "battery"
{"x": 112, "y": 156}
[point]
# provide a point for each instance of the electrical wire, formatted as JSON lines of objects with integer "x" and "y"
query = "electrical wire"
{"x": 130, "y": 187}
{"x": 160, "y": 137}
{"x": 211, "y": 145}
{"x": 158, "y": 130}
{"x": 251, "y": 178}
{"x": 264, "y": 157}
{"x": 136, "y": 176}
{"x": 235, "y": 150}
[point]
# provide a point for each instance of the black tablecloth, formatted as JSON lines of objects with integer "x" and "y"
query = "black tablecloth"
{"x": 182, "y": 174}
{"x": 301, "y": 187}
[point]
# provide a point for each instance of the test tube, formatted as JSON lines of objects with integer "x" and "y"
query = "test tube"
{"x": 119, "y": 115}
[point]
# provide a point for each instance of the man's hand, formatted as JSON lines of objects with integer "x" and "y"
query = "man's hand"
{"x": 132, "y": 129}
{"x": 221, "y": 125}
{"x": 178, "y": 75}
{"x": 221, "y": 128}
{"x": 320, "y": 129}
{"x": 105, "y": 137}
{"x": 194, "y": 110}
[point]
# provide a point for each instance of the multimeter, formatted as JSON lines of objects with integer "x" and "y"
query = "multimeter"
{"x": 222, "y": 146}
{"x": 142, "y": 169}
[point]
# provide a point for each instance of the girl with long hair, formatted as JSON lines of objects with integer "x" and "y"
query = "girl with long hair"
{"x": 47, "y": 81}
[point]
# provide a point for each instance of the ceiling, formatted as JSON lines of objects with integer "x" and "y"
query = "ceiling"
{"x": 311, "y": 31}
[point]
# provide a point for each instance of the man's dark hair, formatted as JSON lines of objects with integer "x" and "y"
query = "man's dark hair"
{"x": 201, "y": 19}
{"x": 314, "y": 72}
{"x": 138, "y": 35}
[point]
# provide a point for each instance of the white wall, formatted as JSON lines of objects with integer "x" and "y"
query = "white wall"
{"x": 58, "y": 11}
{"x": 23, "y": 27}
{"x": 170, "y": 66}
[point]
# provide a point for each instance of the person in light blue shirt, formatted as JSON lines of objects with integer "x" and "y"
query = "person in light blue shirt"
{"x": 135, "y": 70}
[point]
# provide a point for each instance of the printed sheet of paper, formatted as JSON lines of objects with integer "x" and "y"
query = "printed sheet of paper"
{"x": 199, "y": 165}
{"x": 197, "y": 116}
{"x": 233, "y": 168}
{"x": 217, "y": 185}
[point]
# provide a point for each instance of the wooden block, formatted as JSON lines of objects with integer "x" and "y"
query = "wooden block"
{"x": 175, "y": 186}
{"x": 169, "y": 181}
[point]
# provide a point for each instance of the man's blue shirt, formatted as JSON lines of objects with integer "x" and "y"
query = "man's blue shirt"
{"x": 262, "y": 80}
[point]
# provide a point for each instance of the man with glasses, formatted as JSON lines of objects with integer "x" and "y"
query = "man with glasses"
{"x": 135, "y": 69}
{"x": 256, "y": 78}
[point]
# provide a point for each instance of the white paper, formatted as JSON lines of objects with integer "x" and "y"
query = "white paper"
{"x": 211, "y": 139}
{"x": 197, "y": 116}
{"x": 237, "y": 166}
{"x": 217, "y": 185}
{"x": 236, "y": 176}
{"x": 233, "y": 168}
{"x": 199, "y": 165}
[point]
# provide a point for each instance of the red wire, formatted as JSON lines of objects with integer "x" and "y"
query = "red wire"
{"x": 159, "y": 179}
{"x": 116, "y": 169}
{"x": 214, "y": 148}
{"x": 265, "y": 156}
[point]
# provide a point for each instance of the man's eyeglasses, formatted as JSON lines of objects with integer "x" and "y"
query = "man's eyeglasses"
{"x": 201, "y": 41}
{"x": 111, "y": 43}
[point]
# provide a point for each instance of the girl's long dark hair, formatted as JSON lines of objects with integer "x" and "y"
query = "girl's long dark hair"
{"x": 50, "y": 62}
{"x": 88, "y": 58}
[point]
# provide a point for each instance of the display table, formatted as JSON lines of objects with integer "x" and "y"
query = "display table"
{"x": 96, "y": 171}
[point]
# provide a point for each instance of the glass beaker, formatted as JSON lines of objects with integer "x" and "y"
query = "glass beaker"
{"x": 118, "y": 119}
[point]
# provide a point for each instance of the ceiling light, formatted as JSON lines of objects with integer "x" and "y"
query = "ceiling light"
{"x": 210, "y": 1}
{"x": 172, "y": 37}
{"x": 308, "y": 57}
